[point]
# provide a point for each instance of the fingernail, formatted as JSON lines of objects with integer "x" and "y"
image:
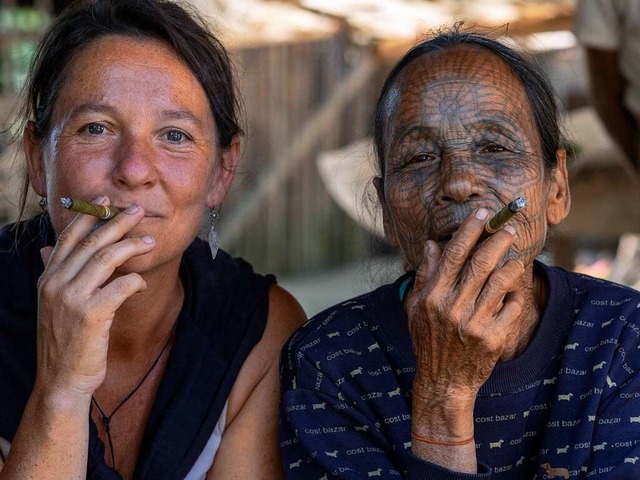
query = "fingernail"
{"x": 132, "y": 209}
{"x": 100, "y": 199}
{"x": 482, "y": 213}
{"x": 148, "y": 239}
{"x": 510, "y": 229}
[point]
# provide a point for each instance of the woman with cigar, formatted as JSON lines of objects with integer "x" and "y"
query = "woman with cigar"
{"x": 480, "y": 362}
{"x": 128, "y": 347}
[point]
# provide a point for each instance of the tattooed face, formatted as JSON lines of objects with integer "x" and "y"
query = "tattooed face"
{"x": 460, "y": 135}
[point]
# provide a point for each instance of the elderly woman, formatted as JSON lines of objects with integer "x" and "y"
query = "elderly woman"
{"x": 126, "y": 350}
{"x": 480, "y": 362}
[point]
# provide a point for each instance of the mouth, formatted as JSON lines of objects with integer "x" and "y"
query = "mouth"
{"x": 446, "y": 234}
{"x": 147, "y": 213}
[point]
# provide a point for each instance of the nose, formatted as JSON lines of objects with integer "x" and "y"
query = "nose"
{"x": 460, "y": 180}
{"x": 134, "y": 163}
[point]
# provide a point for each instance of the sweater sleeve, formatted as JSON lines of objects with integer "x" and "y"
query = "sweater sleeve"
{"x": 328, "y": 432}
{"x": 615, "y": 444}
{"x": 323, "y": 435}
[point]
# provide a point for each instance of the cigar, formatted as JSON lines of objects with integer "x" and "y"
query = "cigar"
{"x": 101, "y": 211}
{"x": 496, "y": 222}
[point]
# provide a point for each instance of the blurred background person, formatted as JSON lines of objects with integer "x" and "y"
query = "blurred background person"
{"x": 609, "y": 31}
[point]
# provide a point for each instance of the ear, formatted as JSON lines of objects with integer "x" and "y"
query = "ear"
{"x": 558, "y": 196}
{"x": 387, "y": 220}
{"x": 35, "y": 161}
{"x": 224, "y": 175}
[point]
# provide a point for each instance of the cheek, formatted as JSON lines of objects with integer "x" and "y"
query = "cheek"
{"x": 531, "y": 225}
{"x": 407, "y": 206}
{"x": 188, "y": 179}
{"x": 405, "y": 197}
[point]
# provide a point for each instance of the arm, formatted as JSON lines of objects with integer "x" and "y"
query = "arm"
{"x": 75, "y": 312}
{"x": 607, "y": 96}
{"x": 326, "y": 432}
{"x": 249, "y": 446}
{"x": 615, "y": 445}
{"x": 464, "y": 315}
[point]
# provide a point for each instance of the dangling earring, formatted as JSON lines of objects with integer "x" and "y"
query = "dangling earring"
{"x": 44, "y": 223}
{"x": 213, "y": 235}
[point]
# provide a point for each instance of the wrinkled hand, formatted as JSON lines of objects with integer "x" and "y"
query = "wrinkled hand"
{"x": 75, "y": 305}
{"x": 463, "y": 310}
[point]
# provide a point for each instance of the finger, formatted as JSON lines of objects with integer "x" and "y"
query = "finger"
{"x": 428, "y": 269}
{"x": 509, "y": 313}
{"x": 45, "y": 254}
{"x": 77, "y": 229}
{"x": 493, "y": 328}
{"x": 493, "y": 297}
{"x": 115, "y": 293}
{"x": 457, "y": 251}
{"x": 484, "y": 261}
{"x": 104, "y": 262}
{"x": 109, "y": 233}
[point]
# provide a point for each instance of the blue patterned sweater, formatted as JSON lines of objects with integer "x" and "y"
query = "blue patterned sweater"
{"x": 568, "y": 407}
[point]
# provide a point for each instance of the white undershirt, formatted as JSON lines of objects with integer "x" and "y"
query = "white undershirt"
{"x": 205, "y": 460}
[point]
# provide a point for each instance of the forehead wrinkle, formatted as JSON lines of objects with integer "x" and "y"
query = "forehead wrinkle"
{"x": 492, "y": 84}
{"x": 465, "y": 100}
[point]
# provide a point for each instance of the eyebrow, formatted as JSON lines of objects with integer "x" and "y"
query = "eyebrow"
{"x": 182, "y": 115}
{"x": 502, "y": 125}
{"x": 422, "y": 129}
{"x": 108, "y": 109}
{"x": 484, "y": 124}
{"x": 92, "y": 108}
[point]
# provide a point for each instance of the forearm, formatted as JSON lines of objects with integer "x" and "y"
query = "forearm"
{"x": 621, "y": 126}
{"x": 51, "y": 441}
{"x": 607, "y": 94}
{"x": 442, "y": 432}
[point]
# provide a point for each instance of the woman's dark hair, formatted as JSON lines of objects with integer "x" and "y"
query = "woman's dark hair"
{"x": 88, "y": 20}
{"x": 539, "y": 92}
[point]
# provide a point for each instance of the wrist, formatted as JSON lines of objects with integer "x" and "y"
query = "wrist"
{"x": 443, "y": 443}
{"x": 443, "y": 418}
{"x": 52, "y": 400}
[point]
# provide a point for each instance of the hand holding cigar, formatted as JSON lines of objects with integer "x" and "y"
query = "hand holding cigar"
{"x": 101, "y": 211}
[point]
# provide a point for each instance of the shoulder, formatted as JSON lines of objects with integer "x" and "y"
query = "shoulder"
{"x": 284, "y": 317}
{"x": 592, "y": 295}
{"x": 607, "y": 313}
{"x": 348, "y": 326}
{"x": 602, "y": 297}
{"x": 20, "y": 267}
{"x": 260, "y": 368}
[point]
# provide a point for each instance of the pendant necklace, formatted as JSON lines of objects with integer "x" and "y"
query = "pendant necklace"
{"x": 106, "y": 419}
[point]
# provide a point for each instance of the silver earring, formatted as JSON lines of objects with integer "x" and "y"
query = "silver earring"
{"x": 43, "y": 204}
{"x": 213, "y": 235}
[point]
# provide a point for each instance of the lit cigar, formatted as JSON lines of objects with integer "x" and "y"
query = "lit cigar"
{"x": 100, "y": 211}
{"x": 503, "y": 216}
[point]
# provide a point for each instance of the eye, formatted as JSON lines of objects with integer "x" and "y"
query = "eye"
{"x": 95, "y": 129}
{"x": 493, "y": 148}
{"x": 422, "y": 157}
{"x": 176, "y": 136}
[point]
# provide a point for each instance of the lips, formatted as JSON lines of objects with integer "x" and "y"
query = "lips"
{"x": 446, "y": 234}
{"x": 148, "y": 213}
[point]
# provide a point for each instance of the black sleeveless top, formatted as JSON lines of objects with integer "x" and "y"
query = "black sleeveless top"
{"x": 223, "y": 316}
